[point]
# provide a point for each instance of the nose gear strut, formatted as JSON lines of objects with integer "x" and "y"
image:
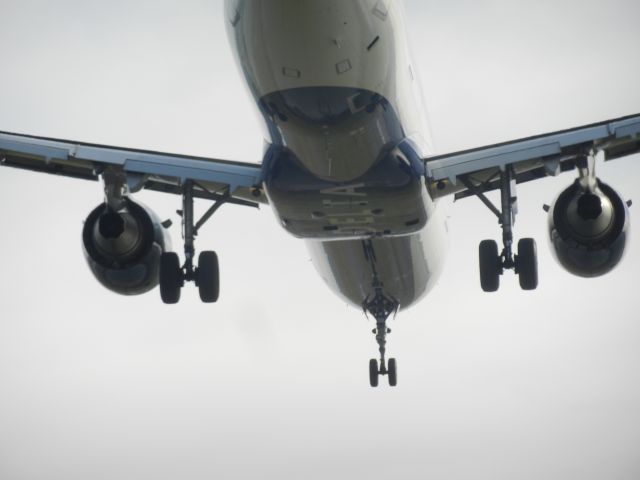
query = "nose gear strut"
{"x": 380, "y": 306}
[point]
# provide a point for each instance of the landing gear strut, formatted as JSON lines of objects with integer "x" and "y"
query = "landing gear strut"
{"x": 492, "y": 264}
{"x": 380, "y": 306}
{"x": 206, "y": 275}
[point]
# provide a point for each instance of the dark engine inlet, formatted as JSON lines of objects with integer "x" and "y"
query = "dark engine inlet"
{"x": 123, "y": 248}
{"x": 588, "y": 230}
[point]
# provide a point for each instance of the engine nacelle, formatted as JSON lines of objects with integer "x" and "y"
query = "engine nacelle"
{"x": 123, "y": 248}
{"x": 588, "y": 231}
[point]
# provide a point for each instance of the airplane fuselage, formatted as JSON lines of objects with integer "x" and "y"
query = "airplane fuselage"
{"x": 345, "y": 137}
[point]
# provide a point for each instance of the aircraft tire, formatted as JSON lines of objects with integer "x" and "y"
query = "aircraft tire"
{"x": 393, "y": 372}
{"x": 373, "y": 372}
{"x": 527, "y": 264}
{"x": 170, "y": 277}
{"x": 489, "y": 266}
{"x": 208, "y": 277}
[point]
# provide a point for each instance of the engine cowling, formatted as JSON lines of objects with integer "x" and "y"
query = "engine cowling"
{"x": 123, "y": 248}
{"x": 588, "y": 230}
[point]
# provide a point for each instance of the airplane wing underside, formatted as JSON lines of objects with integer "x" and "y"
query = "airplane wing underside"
{"x": 164, "y": 172}
{"x": 470, "y": 172}
{"x": 462, "y": 174}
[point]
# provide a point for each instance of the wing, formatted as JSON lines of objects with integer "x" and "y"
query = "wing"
{"x": 157, "y": 171}
{"x": 475, "y": 171}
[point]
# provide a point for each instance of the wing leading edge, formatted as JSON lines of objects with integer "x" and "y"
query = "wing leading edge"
{"x": 151, "y": 170}
{"x": 468, "y": 172}
{"x": 461, "y": 173}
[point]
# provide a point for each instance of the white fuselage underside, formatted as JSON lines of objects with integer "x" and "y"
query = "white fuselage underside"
{"x": 311, "y": 47}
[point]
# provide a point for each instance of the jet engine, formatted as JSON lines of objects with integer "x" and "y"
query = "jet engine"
{"x": 123, "y": 247}
{"x": 588, "y": 229}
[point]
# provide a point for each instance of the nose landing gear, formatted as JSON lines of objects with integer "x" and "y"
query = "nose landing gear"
{"x": 380, "y": 306}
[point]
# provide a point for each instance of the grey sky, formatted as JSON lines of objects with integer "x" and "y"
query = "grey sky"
{"x": 272, "y": 381}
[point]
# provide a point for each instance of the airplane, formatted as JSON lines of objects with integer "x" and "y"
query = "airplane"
{"x": 348, "y": 167}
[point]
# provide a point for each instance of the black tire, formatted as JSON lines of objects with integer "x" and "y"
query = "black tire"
{"x": 208, "y": 277}
{"x": 490, "y": 268}
{"x": 373, "y": 372}
{"x": 170, "y": 277}
{"x": 392, "y": 368}
{"x": 527, "y": 264}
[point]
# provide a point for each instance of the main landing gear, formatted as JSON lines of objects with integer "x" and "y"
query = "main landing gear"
{"x": 206, "y": 275}
{"x": 492, "y": 263}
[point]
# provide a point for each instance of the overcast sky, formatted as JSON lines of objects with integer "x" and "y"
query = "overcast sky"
{"x": 272, "y": 381}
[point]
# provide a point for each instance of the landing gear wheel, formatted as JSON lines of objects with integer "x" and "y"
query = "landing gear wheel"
{"x": 392, "y": 371}
{"x": 170, "y": 277}
{"x": 208, "y": 276}
{"x": 524, "y": 263}
{"x": 373, "y": 372}
{"x": 489, "y": 266}
{"x": 527, "y": 264}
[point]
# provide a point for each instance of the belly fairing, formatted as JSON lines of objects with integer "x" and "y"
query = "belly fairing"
{"x": 389, "y": 199}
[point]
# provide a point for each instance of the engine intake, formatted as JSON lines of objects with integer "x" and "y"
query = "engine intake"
{"x": 123, "y": 248}
{"x": 588, "y": 230}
